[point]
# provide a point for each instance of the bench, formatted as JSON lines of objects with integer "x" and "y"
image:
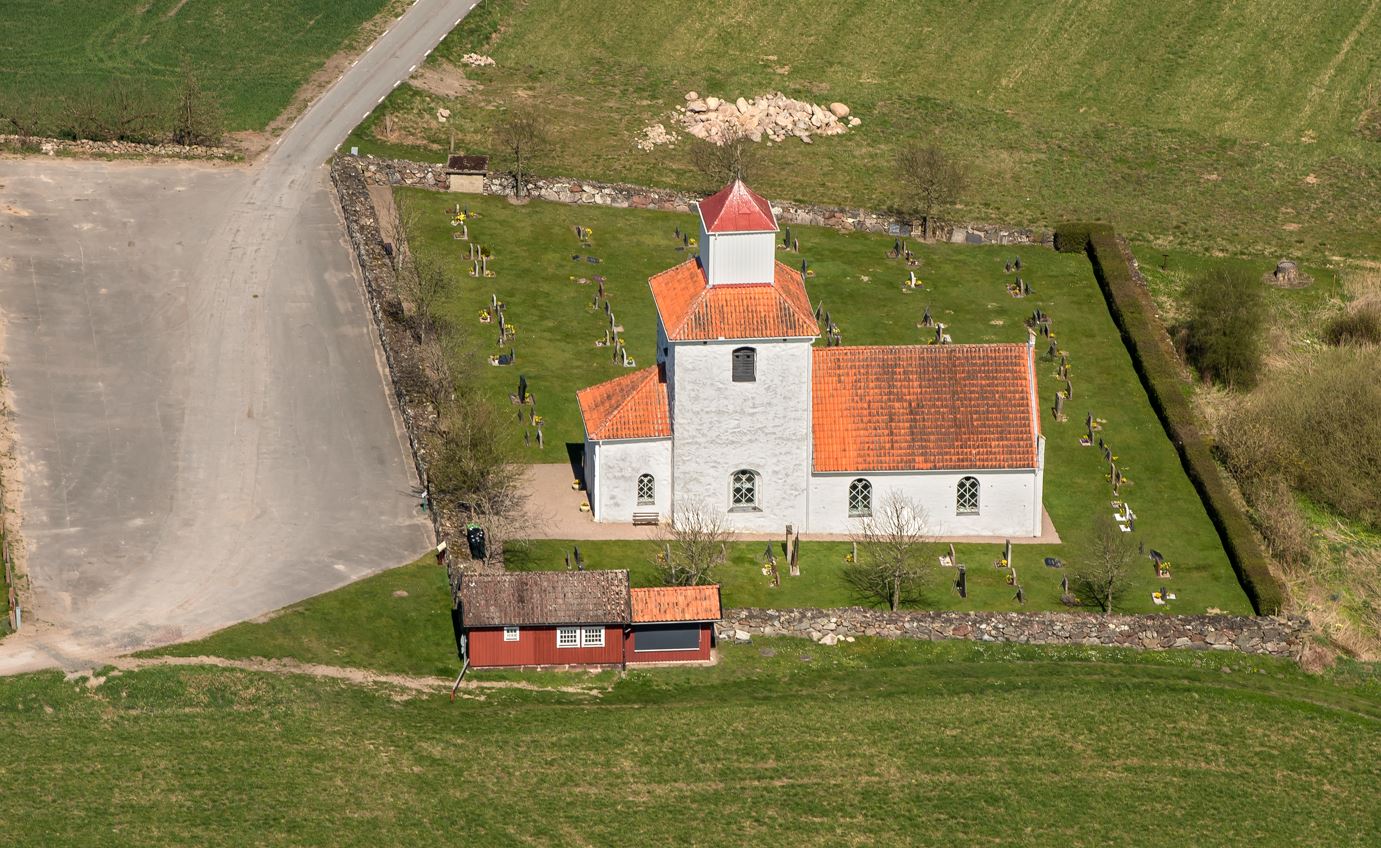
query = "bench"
{"x": 646, "y": 518}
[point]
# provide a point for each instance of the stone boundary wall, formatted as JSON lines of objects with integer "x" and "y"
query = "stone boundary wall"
{"x": 621, "y": 195}
{"x": 1277, "y": 636}
{"x": 401, "y": 349}
{"x": 54, "y": 146}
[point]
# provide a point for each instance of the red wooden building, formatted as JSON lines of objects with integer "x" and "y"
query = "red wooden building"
{"x": 586, "y": 618}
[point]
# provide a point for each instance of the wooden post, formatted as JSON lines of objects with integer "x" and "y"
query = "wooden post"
{"x": 1007, "y": 554}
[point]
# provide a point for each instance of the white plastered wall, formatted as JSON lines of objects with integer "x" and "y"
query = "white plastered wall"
{"x": 721, "y": 426}
{"x": 1007, "y": 501}
{"x": 730, "y": 258}
{"x": 612, "y": 469}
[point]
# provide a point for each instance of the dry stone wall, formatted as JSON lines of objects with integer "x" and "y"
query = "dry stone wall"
{"x": 621, "y": 196}
{"x": 1278, "y": 636}
{"x": 56, "y": 146}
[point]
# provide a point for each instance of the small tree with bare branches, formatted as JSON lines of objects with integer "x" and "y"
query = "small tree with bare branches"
{"x": 733, "y": 156}
{"x": 521, "y": 134}
{"x": 692, "y": 545}
{"x": 929, "y": 181}
{"x": 890, "y": 544}
{"x": 1106, "y": 570}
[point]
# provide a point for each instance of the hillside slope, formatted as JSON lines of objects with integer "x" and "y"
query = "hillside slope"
{"x": 1207, "y": 125}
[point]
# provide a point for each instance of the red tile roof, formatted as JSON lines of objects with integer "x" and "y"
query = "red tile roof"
{"x": 737, "y": 209}
{"x": 693, "y": 310}
{"x": 633, "y": 406}
{"x": 675, "y": 603}
{"x": 925, "y": 407}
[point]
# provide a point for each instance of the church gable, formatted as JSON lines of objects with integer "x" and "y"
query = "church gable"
{"x": 924, "y": 408}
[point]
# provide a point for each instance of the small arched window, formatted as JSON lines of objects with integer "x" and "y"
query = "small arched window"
{"x": 647, "y": 490}
{"x": 966, "y": 496}
{"x": 745, "y": 365}
{"x": 860, "y": 498}
{"x": 743, "y": 490}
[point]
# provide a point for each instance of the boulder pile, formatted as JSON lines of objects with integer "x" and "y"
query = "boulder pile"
{"x": 774, "y": 116}
{"x": 475, "y": 60}
{"x": 653, "y": 135}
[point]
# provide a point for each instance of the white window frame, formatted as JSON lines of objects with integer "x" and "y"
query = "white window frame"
{"x": 744, "y": 506}
{"x": 592, "y": 637}
{"x": 647, "y": 497}
{"x": 864, "y": 487}
{"x": 964, "y": 503}
{"x": 510, "y": 634}
{"x": 568, "y": 637}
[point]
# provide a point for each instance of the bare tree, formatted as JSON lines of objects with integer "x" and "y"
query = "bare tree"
{"x": 692, "y": 545}
{"x": 197, "y": 117}
{"x": 733, "y": 156}
{"x": 121, "y": 111}
{"x": 1106, "y": 570}
{"x": 26, "y": 117}
{"x": 474, "y": 465}
{"x": 929, "y": 181}
{"x": 890, "y": 544}
{"x": 521, "y": 134}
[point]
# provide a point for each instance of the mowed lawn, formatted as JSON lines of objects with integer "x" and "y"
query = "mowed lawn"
{"x": 252, "y": 55}
{"x": 783, "y": 743}
{"x": 1185, "y": 123}
{"x": 537, "y": 274}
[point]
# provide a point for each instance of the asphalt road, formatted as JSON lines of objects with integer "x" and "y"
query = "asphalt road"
{"x": 204, "y": 427}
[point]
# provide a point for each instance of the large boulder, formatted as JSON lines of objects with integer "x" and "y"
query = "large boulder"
{"x": 839, "y": 110}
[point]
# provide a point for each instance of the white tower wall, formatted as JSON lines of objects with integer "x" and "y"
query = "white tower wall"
{"x": 730, "y": 258}
{"x": 764, "y": 426}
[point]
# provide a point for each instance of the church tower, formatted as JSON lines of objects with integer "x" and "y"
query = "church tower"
{"x": 735, "y": 331}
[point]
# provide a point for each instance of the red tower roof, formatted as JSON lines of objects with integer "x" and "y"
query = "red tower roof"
{"x": 737, "y": 209}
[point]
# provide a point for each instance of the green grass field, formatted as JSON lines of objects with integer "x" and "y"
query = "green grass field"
{"x": 252, "y": 55}
{"x": 535, "y": 275}
{"x": 783, "y": 743}
{"x": 1185, "y": 123}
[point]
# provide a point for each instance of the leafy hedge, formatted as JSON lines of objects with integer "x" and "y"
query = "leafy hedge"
{"x": 1155, "y": 362}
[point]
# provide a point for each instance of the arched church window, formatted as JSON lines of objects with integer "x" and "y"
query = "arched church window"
{"x": 860, "y": 498}
{"x": 647, "y": 490}
{"x": 745, "y": 365}
{"x": 966, "y": 497}
{"x": 743, "y": 490}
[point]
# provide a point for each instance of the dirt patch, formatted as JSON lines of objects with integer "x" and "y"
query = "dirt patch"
{"x": 10, "y": 209}
{"x": 173, "y": 11}
{"x": 443, "y": 80}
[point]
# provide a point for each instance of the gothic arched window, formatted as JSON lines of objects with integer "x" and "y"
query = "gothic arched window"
{"x": 743, "y": 490}
{"x": 860, "y": 498}
{"x": 647, "y": 490}
{"x": 966, "y": 496}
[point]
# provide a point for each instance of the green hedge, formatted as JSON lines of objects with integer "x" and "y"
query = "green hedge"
{"x": 1155, "y": 362}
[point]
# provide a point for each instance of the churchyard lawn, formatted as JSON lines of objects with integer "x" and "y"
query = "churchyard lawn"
{"x": 537, "y": 275}
{"x": 784, "y": 742}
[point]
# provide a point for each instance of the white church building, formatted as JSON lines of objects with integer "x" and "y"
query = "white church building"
{"x": 743, "y": 413}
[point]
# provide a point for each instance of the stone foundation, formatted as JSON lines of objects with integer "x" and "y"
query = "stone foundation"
{"x": 1277, "y": 636}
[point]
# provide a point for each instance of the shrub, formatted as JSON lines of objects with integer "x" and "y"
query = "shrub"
{"x": 1073, "y": 238}
{"x": 1317, "y": 427}
{"x": 1224, "y": 330}
{"x": 1360, "y": 325}
{"x": 1155, "y": 363}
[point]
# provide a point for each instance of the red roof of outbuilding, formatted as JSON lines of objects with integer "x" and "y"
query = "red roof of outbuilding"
{"x": 633, "y": 406}
{"x": 693, "y": 310}
{"x": 675, "y": 603}
{"x": 737, "y": 209}
{"x": 923, "y": 408}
